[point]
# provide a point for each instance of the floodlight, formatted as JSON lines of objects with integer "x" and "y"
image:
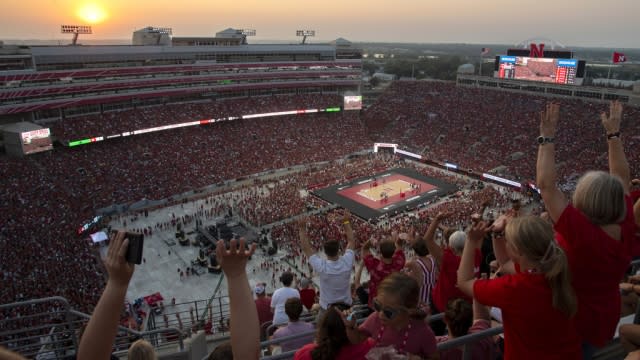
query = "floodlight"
{"x": 305, "y": 34}
{"x": 75, "y": 30}
{"x": 245, "y": 33}
{"x": 161, "y": 30}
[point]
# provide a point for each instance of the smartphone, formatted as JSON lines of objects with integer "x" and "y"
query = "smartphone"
{"x": 134, "y": 250}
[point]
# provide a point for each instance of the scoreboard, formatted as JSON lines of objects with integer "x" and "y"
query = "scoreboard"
{"x": 550, "y": 70}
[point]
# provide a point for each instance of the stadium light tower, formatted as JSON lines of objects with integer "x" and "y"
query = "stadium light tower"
{"x": 75, "y": 30}
{"x": 305, "y": 34}
{"x": 245, "y": 33}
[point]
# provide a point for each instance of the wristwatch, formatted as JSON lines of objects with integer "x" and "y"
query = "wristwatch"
{"x": 544, "y": 140}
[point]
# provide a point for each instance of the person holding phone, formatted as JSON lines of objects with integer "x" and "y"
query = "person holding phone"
{"x": 100, "y": 333}
{"x": 538, "y": 303}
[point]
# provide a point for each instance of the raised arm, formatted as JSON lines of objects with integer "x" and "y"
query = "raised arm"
{"x": 244, "y": 315}
{"x": 429, "y": 237}
{"x": 99, "y": 336}
{"x": 351, "y": 239}
{"x": 358, "y": 275}
{"x": 500, "y": 245}
{"x": 554, "y": 199}
{"x": 618, "y": 164}
{"x": 304, "y": 238}
{"x": 466, "y": 276}
{"x": 481, "y": 312}
{"x": 366, "y": 250}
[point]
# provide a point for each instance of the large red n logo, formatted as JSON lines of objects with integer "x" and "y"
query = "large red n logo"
{"x": 537, "y": 50}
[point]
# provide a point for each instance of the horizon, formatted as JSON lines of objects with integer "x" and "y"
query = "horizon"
{"x": 582, "y": 23}
{"x": 94, "y": 42}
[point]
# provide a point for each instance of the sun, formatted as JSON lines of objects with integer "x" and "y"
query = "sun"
{"x": 92, "y": 13}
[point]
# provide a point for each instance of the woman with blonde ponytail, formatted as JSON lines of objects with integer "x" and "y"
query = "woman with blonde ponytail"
{"x": 537, "y": 302}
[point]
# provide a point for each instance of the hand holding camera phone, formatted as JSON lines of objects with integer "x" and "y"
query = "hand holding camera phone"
{"x": 134, "y": 250}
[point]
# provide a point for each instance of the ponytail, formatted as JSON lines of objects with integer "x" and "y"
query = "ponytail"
{"x": 534, "y": 239}
{"x": 555, "y": 267}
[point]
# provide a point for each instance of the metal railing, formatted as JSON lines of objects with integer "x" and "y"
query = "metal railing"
{"x": 49, "y": 328}
{"x": 466, "y": 342}
{"x": 209, "y": 315}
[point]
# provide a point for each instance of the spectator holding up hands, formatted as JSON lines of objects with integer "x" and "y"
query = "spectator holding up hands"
{"x": 448, "y": 261}
{"x": 596, "y": 230}
{"x": 335, "y": 270}
{"x": 541, "y": 282}
{"x": 392, "y": 260}
{"x": 100, "y": 333}
{"x": 423, "y": 268}
{"x": 245, "y": 333}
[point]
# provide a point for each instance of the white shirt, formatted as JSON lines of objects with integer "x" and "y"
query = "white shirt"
{"x": 335, "y": 278}
{"x": 278, "y": 299}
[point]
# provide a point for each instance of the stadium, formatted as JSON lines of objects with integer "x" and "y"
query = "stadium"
{"x": 194, "y": 140}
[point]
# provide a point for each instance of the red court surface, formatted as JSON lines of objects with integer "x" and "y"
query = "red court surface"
{"x": 393, "y": 185}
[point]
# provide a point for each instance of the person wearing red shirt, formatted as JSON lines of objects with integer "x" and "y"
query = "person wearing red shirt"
{"x": 537, "y": 302}
{"x": 596, "y": 230}
{"x": 307, "y": 294}
{"x": 447, "y": 261}
{"x": 392, "y": 260}
{"x": 263, "y": 305}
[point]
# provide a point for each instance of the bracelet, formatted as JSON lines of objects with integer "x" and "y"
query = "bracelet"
{"x": 613, "y": 135}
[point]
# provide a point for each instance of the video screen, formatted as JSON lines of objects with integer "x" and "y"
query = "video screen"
{"x": 353, "y": 102}
{"x": 36, "y": 141}
{"x": 559, "y": 71}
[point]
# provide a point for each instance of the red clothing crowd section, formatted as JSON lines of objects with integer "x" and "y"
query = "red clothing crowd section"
{"x": 484, "y": 130}
{"x": 45, "y": 197}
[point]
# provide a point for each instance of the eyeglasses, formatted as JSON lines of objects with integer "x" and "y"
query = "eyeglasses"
{"x": 389, "y": 313}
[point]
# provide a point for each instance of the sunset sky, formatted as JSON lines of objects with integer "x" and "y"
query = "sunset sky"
{"x": 610, "y": 23}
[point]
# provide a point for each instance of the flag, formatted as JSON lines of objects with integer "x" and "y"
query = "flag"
{"x": 619, "y": 57}
{"x": 484, "y": 51}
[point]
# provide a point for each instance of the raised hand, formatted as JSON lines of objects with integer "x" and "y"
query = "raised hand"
{"x": 411, "y": 236}
{"x": 234, "y": 260}
{"x": 119, "y": 270}
{"x": 395, "y": 236}
{"x": 611, "y": 123}
{"x": 443, "y": 215}
{"x": 477, "y": 232}
{"x": 346, "y": 216}
{"x": 549, "y": 120}
{"x": 500, "y": 223}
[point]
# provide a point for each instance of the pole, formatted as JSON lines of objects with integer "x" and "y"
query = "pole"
{"x": 480, "y": 69}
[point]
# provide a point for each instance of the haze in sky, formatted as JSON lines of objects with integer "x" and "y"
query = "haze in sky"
{"x": 605, "y": 23}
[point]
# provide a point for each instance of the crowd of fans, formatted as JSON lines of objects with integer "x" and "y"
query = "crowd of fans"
{"x": 493, "y": 130}
{"x": 46, "y": 196}
{"x": 112, "y": 123}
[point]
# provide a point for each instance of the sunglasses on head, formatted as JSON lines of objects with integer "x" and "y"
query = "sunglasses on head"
{"x": 389, "y": 313}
